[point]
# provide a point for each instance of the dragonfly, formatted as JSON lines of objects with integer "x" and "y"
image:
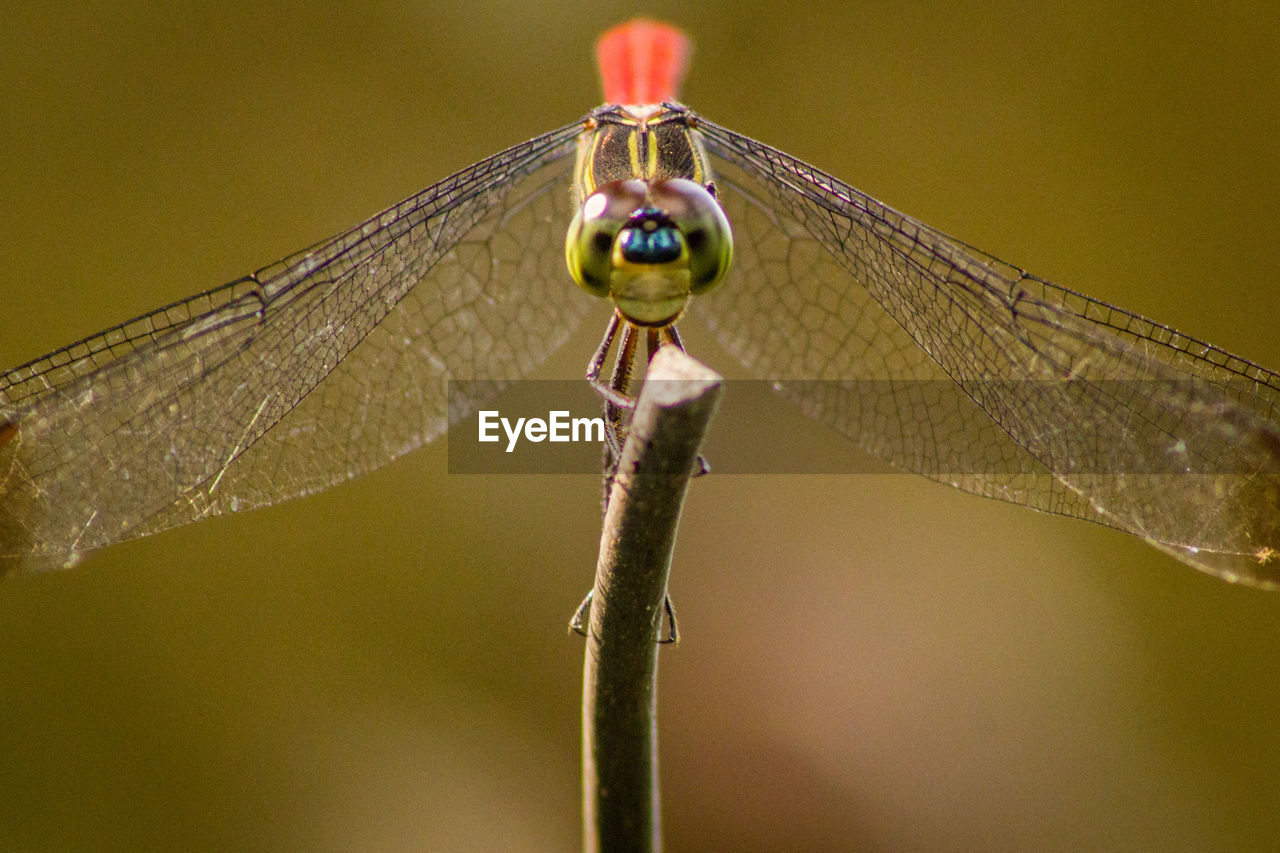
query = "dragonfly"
{"x": 934, "y": 356}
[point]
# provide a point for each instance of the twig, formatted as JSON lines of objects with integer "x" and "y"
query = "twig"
{"x": 619, "y": 707}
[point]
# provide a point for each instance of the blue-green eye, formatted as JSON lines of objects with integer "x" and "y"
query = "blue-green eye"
{"x": 649, "y": 246}
{"x": 650, "y": 238}
{"x": 588, "y": 247}
{"x": 702, "y": 225}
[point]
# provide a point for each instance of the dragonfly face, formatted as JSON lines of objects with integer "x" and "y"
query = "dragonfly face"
{"x": 647, "y": 233}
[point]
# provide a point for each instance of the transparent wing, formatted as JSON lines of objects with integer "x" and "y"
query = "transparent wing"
{"x": 951, "y": 363}
{"x": 322, "y": 366}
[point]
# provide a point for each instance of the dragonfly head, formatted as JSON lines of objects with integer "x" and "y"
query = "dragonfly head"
{"x": 649, "y": 246}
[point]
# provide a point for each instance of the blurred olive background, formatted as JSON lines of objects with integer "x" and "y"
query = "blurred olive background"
{"x": 868, "y": 662}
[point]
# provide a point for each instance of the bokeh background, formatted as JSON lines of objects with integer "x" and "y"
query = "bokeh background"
{"x": 868, "y": 662}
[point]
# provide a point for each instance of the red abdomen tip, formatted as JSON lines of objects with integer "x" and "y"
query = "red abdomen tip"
{"x": 642, "y": 62}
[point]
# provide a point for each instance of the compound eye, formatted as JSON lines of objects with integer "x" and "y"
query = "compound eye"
{"x": 588, "y": 247}
{"x": 702, "y": 224}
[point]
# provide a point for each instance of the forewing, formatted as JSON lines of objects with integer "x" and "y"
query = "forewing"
{"x": 950, "y": 363}
{"x": 315, "y": 369}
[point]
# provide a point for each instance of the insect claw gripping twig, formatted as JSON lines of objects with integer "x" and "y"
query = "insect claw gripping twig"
{"x": 578, "y": 624}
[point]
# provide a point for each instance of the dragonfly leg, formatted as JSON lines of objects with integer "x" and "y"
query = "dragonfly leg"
{"x": 618, "y": 400}
{"x": 580, "y": 621}
{"x": 602, "y": 351}
{"x": 578, "y": 624}
{"x": 669, "y": 611}
{"x": 607, "y": 390}
{"x": 669, "y": 335}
